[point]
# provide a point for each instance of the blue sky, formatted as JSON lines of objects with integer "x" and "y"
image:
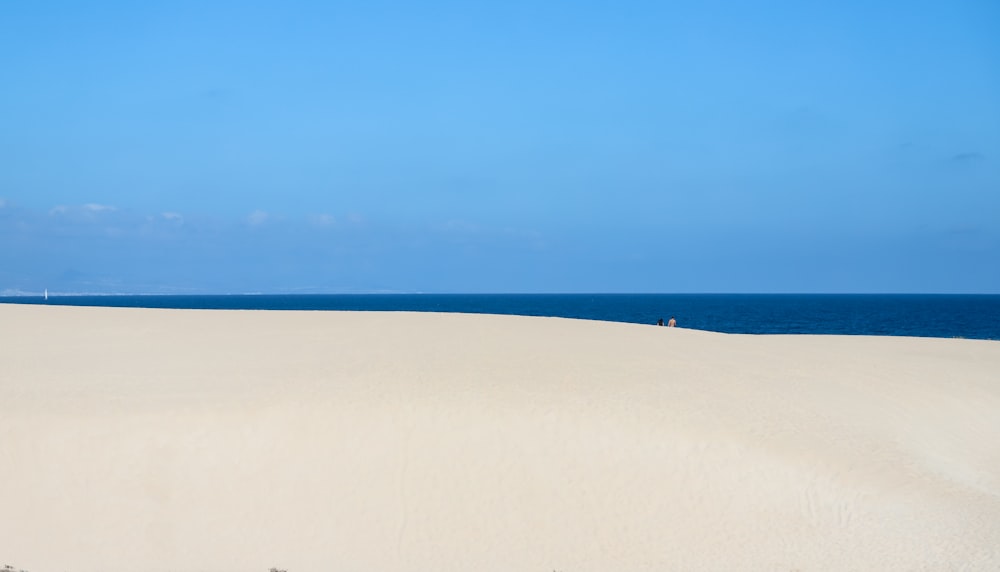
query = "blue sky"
{"x": 500, "y": 147}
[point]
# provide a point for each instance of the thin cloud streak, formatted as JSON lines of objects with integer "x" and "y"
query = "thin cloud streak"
{"x": 258, "y": 217}
{"x": 86, "y": 210}
{"x": 971, "y": 157}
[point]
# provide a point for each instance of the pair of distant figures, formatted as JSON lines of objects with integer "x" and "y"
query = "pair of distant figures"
{"x": 670, "y": 323}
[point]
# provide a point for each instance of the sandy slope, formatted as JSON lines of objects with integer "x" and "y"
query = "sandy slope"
{"x": 235, "y": 441}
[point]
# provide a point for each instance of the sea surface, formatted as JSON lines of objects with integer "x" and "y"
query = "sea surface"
{"x": 927, "y": 315}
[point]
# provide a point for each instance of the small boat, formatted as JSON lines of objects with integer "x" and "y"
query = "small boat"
{"x": 46, "y": 294}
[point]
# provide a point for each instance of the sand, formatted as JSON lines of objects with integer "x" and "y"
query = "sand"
{"x": 155, "y": 440}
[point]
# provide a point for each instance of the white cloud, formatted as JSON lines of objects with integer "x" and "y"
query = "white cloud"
{"x": 87, "y": 210}
{"x": 323, "y": 220}
{"x": 173, "y": 217}
{"x": 524, "y": 233}
{"x": 462, "y": 226}
{"x": 258, "y": 217}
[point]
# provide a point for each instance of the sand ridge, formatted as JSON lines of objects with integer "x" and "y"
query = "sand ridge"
{"x": 240, "y": 440}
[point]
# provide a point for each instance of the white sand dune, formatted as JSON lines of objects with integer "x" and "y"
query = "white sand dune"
{"x": 155, "y": 440}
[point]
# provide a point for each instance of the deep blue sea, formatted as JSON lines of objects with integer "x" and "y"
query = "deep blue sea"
{"x": 931, "y": 315}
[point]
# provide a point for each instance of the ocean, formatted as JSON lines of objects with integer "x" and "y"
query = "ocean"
{"x": 927, "y": 315}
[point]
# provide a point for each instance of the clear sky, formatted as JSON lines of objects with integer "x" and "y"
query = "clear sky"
{"x": 500, "y": 147}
